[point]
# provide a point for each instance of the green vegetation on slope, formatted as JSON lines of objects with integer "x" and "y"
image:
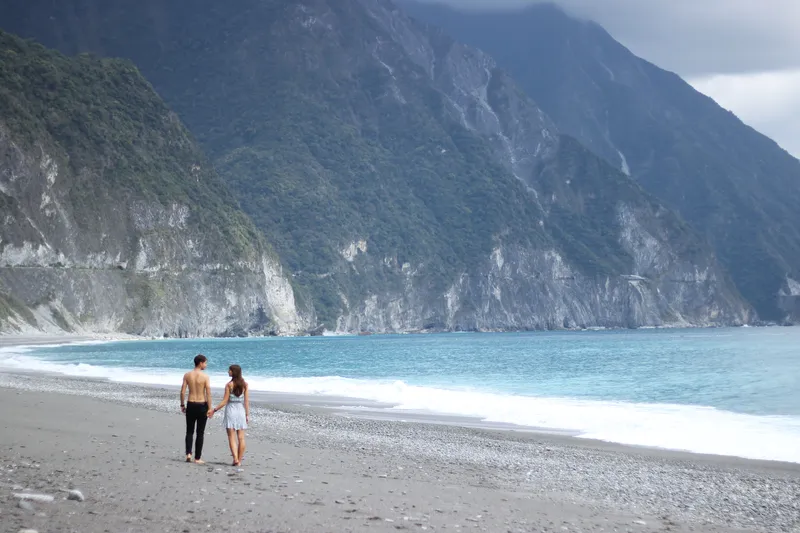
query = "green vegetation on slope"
{"x": 586, "y": 220}
{"x": 117, "y": 137}
{"x": 419, "y": 191}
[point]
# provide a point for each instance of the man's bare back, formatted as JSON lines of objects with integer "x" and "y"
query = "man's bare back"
{"x": 199, "y": 386}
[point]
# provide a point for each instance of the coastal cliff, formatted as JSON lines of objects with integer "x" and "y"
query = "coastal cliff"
{"x": 734, "y": 185}
{"x": 112, "y": 218}
{"x": 405, "y": 181}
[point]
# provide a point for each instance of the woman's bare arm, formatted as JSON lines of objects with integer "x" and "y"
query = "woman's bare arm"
{"x": 225, "y": 398}
{"x": 208, "y": 396}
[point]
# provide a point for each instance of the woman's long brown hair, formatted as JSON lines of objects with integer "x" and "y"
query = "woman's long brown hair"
{"x": 237, "y": 380}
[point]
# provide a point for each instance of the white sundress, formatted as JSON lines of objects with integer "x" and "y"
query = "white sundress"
{"x": 235, "y": 417}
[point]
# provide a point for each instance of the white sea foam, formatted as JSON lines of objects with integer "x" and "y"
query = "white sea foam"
{"x": 679, "y": 427}
{"x": 329, "y": 333}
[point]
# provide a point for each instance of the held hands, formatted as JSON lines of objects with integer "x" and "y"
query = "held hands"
{"x": 211, "y": 412}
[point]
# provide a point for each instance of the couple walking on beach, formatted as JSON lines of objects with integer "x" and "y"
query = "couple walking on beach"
{"x": 199, "y": 409}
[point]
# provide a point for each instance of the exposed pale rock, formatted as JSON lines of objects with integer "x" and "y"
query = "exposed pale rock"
{"x": 76, "y": 495}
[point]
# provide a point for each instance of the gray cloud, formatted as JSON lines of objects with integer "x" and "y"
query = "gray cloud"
{"x": 690, "y": 37}
{"x": 770, "y": 102}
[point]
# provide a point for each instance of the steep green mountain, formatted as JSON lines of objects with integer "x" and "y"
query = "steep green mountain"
{"x": 405, "y": 181}
{"x": 111, "y": 218}
{"x": 729, "y": 181}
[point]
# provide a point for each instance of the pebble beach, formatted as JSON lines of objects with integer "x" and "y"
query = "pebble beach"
{"x": 314, "y": 469}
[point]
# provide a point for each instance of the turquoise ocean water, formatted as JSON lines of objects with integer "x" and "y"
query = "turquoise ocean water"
{"x": 723, "y": 391}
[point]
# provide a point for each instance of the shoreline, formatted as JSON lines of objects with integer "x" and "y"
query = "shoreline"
{"x": 497, "y": 479}
{"x": 356, "y": 407}
{"x": 18, "y": 341}
{"x": 32, "y": 339}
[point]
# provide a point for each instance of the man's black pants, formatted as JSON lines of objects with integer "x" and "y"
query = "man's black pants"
{"x": 196, "y": 413}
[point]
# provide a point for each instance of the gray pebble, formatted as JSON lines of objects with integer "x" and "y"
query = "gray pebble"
{"x": 27, "y": 506}
{"x": 75, "y": 495}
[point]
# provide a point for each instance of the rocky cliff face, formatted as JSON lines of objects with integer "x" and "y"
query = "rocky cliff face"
{"x": 406, "y": 181}
{"x": 523, "y": 289}
{"x": 789, "y": 300}
{"x": 87, "y": 243}
{"x": 656, "y": 281}
{"x": 737, "y": 187}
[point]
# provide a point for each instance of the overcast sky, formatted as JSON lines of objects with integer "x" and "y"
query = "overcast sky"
{"x": 743, "y": 53}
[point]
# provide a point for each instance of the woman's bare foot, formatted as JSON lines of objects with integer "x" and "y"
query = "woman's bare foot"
{"x": 199, "y": 462}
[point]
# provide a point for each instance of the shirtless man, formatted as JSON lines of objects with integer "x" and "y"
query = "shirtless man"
{"x": 199, "y": 409}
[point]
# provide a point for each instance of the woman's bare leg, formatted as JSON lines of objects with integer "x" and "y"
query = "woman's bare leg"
{"x": 234, "y": 446}
{"x": 242, "y": 446}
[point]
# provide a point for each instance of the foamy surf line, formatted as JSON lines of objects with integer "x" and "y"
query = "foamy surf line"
{"x": 688, "y": 428}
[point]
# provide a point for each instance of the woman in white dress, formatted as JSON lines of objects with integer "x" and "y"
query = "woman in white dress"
{"x": 237, "y": 412}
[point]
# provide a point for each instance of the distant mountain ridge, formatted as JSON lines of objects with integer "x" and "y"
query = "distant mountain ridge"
{"x": 729, "y": 181}
{"x": 405, "y": 181}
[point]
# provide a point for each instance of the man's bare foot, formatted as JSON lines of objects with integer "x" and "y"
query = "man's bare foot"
{"x": 188, "y": 458}
{"x": 199, "y": 462}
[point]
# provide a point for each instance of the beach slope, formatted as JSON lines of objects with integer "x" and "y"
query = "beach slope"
{"x": 314, "y": 472}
